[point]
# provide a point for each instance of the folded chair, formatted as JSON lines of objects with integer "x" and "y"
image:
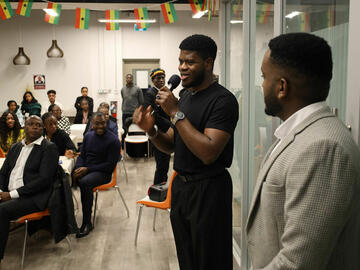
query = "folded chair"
{"x": 32, "y": 217}
{"x": 165, "y": 205}
{"x": 107, "y": 186}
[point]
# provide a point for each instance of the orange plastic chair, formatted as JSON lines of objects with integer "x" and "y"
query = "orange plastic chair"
{"x": 165, "y": 205}
{"x": 111, "y": 184}
{"x": 32, "y": 217}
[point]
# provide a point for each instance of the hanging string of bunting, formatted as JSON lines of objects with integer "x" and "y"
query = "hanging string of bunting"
{"x": 82, "y": 17}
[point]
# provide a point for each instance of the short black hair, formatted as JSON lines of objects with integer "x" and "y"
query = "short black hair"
{"x": 84, "y": 87}
{"x": 46, "y": 116}
{"x": 51, "y": 92}
{"x": 96, "y": 114}
{"x": 51, "y": 107}
{"x": 309, "y": 56}
{"x": 205, "y": 46}
{"x": 11, "y": 101}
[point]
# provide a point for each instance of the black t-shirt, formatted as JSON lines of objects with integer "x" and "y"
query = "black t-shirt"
{"x": 215, "y": 107}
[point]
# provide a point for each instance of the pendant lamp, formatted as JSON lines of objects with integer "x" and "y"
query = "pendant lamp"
{"x": 21, "y": 58}
{"x": 55, "y": 51}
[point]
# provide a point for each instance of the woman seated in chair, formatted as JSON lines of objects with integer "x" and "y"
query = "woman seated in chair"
{"x": 10, "y": 132}
{"x": 62, "y": 140}
{"x": 30, "y": 105}
{"x": 83, "y": 116}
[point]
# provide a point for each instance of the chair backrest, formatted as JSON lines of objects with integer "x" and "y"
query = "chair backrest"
{"x": 135, "y": 128}
{"x": 167, "y": 202}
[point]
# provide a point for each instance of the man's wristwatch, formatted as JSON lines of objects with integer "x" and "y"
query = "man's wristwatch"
{"x": 178, "y": 116}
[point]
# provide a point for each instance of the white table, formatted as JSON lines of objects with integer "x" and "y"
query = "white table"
{"x": 78, "y": 130}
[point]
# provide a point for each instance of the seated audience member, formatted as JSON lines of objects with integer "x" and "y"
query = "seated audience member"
{"x": 99, "y": 154}
{"x": 106, "y": 105}
{"x": 13, "y": 107}
{"x": 61, "y": 139}
{"x": 63, "y": 121}
{"x": 10, "y": 132}
{"x": 52, "y": 100}
{"x": 26, "y": 183}
{"x": 84, "y": 115}
{"x": 110, "y": 125}
{"x": 30, "y": 105}
{"x": 84, "y": 95}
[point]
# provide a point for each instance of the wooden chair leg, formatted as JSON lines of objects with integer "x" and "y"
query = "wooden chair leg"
{"x": 138, "y": 224}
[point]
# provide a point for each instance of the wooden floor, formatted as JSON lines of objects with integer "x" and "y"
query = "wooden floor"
{"x": 111, "y": 244}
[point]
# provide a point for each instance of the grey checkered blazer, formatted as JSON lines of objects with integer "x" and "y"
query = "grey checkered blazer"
{"x": 305, "y": 212}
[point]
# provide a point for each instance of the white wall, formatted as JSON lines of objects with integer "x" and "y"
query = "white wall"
{"x": 92, "y": 57}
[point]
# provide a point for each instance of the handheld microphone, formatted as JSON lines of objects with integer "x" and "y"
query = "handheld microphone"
{"x": 174, "y": 82}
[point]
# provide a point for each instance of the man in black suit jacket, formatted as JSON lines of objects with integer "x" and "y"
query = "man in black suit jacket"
{"x": 26, "y": 177}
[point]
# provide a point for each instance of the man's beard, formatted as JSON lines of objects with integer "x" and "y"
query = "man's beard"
{"x": 272, "y": 105}
{"x": 198, "y": 79}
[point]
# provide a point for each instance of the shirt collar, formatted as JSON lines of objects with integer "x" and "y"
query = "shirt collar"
{"x": 285, "y": 128}
{"x": 38, "y": 141}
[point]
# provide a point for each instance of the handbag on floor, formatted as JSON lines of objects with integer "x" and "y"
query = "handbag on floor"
{"x": 158, "y": 192}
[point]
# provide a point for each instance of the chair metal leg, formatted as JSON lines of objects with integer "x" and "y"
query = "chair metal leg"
{"x": 95, "y": 207}
{"x": 123, "y": 200}
{"x": 138, "y": 223}
{"x": 68, "y": 242}
{"x": 126, "y": 176}
{"x": 148, "y": 149}
{"x": 154, "y": 221}
{"x": 24, "y": 246}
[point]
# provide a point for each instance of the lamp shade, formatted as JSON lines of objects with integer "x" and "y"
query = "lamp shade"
{"x": 21, "y": 58}
{"x": 55, "y": 51}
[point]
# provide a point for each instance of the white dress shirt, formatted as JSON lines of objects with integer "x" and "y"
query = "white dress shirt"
{"x": 294, "y": 120}
{"x": 45, "y": 107}
{"x": 17, "y": 173}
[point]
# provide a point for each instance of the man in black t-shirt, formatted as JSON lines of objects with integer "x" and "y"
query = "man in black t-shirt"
{"x": 203, "y": 124}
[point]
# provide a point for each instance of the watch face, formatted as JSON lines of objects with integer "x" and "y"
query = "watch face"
{"x": 180, "y": 115}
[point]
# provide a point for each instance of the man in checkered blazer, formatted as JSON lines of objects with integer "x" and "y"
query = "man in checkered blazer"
{"x": 305, "y": 211}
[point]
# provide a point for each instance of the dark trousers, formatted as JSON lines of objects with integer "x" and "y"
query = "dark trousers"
{"x": 201, "y": 219}
{"x": 11, "y": 210}
{"x": 162, "y": 166}
{"x": 125, "y": 127}
{"x": 86, "y": 184}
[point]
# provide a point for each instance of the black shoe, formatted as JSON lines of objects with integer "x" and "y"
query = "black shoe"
{"x": 84, "y": 230}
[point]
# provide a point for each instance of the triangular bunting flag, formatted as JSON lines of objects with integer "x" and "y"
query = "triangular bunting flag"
{"x": 24, "y": 8}
{"x": 53, "y": 19}
{"x": 6, "y": 11}
{"x": 169, "y": 12}
{"x": 82, "y": 18}
{"x": 112, "y": 14}
{"x": 141, "y": 14}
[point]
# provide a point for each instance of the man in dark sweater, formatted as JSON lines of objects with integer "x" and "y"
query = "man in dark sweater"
{"x": 99, "y": 154}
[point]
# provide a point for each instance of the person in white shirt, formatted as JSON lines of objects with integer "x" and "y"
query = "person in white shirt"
{"x": 52, "y": 100}
{"x": 26, "y": 177}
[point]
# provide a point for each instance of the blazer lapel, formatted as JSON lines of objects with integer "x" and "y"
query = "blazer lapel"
{"x": 270, "y": 158}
